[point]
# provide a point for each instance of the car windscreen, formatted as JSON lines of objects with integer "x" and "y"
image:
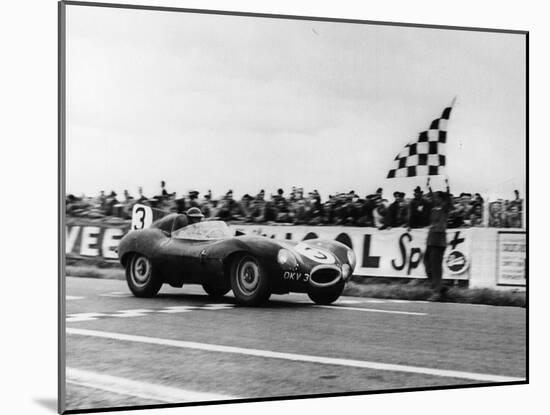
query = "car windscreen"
{"x": 204, "y": 231}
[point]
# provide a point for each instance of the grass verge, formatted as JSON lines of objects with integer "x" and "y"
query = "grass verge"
{"x": 90, "y": 271}
{"x": 418, "y": 290}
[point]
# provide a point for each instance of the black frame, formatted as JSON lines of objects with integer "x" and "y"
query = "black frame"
{"x": 61, "y": 200}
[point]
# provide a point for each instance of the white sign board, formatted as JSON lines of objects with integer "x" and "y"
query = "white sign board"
{"x": 511, "y": 251}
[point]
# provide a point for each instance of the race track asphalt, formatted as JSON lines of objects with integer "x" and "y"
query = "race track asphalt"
{"x": 184, "y": 347}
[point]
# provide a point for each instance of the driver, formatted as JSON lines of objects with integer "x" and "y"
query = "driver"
{"x": 175, "y": 221}
{"x": 194, "y": 215}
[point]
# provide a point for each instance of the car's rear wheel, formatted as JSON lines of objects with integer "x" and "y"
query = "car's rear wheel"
{"x": 326, "y": 295}
{"x": 249, "y": 281}
{"x": 141, "y": 277}
{"x": 216, "y": 291}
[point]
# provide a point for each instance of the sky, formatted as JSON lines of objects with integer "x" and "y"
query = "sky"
{"x": 246, "y": 103}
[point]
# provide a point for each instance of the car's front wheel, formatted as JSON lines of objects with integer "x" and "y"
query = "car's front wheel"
{"x": 141, "y": 277}
{"x": 249, "y": 281}
{"x": 326, "y": 295}
{"x": 216, "y": 291}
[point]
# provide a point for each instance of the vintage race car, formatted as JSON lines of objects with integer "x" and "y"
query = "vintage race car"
{"x": 253, "y": 267}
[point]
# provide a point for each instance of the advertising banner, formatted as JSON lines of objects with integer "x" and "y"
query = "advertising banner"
{"x": 511, "y": 252}
{"x": 387, "y": 253}
{"x": 93, "y": 239}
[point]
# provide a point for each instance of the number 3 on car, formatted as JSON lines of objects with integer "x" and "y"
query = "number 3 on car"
{"x": 142, "y": 217}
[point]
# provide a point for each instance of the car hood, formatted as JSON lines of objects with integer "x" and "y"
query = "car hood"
{"x": 309, "y": 253}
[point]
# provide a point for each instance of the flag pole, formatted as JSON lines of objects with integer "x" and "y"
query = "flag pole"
{"x": 453, "y": 102}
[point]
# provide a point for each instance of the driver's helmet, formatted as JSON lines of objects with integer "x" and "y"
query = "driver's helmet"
{"x": 194, "y": 214}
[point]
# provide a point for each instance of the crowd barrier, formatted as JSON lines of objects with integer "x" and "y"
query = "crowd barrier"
{"x": 486, "y": 257}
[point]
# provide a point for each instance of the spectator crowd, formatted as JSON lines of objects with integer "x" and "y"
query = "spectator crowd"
{"x": 299, "y": 208}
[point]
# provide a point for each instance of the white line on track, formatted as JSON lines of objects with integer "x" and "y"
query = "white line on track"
{"x": 73, "y": 297}
{"x": 76, "y": 318}
{"x": 294, "y": 357}
{"x": 371, "y": 310}
{"x": 337, "y": 306}
{"x": 142, "y": 390}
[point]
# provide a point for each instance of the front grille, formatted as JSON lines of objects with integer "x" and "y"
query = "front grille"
{"x": 325, "y": 275}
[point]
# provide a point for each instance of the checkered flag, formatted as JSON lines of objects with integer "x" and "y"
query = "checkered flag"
{"x": 425, "y": 156}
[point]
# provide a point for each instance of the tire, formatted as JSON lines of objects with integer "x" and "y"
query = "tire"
{"x": 141, "y": 277}
{"x": 249, "y": 281}
{"x": 216, "y": 291}
{"x": 328, "y": 295}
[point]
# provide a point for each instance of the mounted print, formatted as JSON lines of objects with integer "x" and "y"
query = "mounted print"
{"x": 258, "y": 207}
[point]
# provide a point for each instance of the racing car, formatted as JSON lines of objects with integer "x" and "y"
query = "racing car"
{"x": 219, "y": 258}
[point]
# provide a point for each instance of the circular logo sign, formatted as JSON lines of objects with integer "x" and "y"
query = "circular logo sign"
{"x": 315, "y": 254}
{"x": 456, "y": 262}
